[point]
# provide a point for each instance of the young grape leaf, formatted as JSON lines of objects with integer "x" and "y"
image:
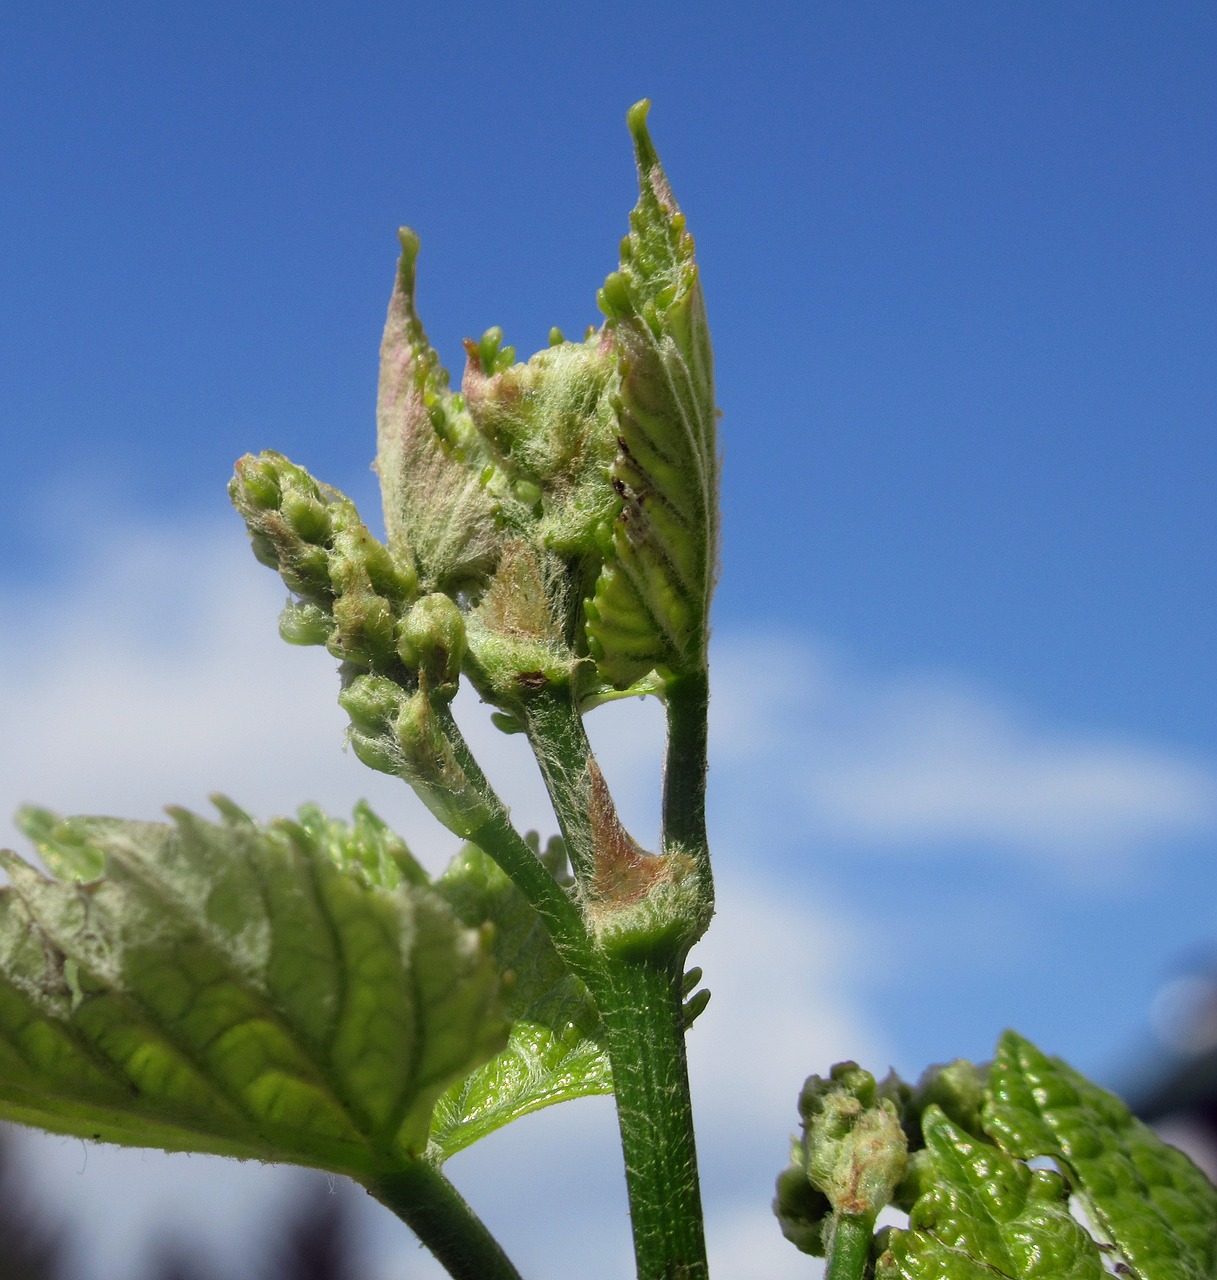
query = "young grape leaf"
{"x": 287, "y": 993}
{"x": 1149, "y": 1199}
{"x": 439, "y": 513}
{"x": 651, "y": 604}
{"x": 982, "y": 1215}
{"x": 556, "y": 1050}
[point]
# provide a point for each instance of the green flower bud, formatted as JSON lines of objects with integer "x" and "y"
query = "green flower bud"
{"x": 550, "y": 422}
{"x": 491, "y": 359}
{"x": 431, "y": 641}
{"x": 365, "y": 625}
{"x": 695, "y": 1005}
{"x": 376, "y": 753}
{"x": 372, "y": 702}
{"x": 305, "y": 570}
{"x": 856, "y": 1150}
{"x": 350, "y": 588}
{"x": 305, "y": 623}
{"x": 286, "y": 511}
{"x": 959, "y": 1089}
{"x": 429, "y": 764}
{"x": 259, "y": 482}
{"x": 307, "y": 516}
{"x": 614, "y": 297}
{"x": 802, "y": 1210}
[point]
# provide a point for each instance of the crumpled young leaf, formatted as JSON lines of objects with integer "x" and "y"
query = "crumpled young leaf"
{"x": 651, "y": 603}
{"x": 433, "y": 467}
{"x": 983, "y": 1215}
{"x": 237, "y": 989}
{"x": 556, "y": 1051}
{"x": 1149, "y": 1199}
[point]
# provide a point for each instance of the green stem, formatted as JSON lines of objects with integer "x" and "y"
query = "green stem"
{"x": 641, "y": 1000}
{"x": 849, "y": 1252}
{"x": 644, "y": 1017}
{"x": 424, "y": 1199}
{"x": 564, "y": 755}
{"x": 499, "y": 838}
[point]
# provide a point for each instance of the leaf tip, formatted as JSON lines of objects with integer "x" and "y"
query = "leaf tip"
{"x": 407, "y": 237}
{"x": 636, "y": 120}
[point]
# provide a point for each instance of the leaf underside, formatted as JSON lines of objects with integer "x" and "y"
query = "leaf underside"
{"x": 556, "y": 1051}
{"x": 236, "y": 989}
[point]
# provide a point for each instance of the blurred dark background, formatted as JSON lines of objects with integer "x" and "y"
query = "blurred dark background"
{"x": 314, "y": 1240}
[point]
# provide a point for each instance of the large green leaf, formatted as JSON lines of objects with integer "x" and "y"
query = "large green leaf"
{"x": 287, "y": 993}
{"x": 984, "y": 1215}
{"x": 556, "y": 1050}
{"x": 652, "y": 601}
{"x": 1149, "y": 1199}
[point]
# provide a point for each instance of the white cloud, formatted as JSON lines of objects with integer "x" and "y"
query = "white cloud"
{"x": 903, "y": 763}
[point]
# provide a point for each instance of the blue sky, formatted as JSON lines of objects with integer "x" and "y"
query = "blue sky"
{"x": 960, "y": 268}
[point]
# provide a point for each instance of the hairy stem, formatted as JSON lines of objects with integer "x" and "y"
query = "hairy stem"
{"x": 499, "y": 838}
{"x": 850, "y": 1249}
{"x": 423, "y": 1198}
{"x": 641, "y": 1001}
{"x": 559, "y": 742}
{"x": 645, "y": 1022}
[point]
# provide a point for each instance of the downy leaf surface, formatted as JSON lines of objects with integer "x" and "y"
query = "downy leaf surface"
{"x": 651, "y": 603}
{"x": 290, "y": 992}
